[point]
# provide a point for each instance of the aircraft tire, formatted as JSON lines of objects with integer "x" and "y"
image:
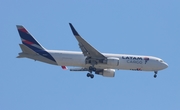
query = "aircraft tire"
{"x": 92, "y": 76}
{"x": 155, "y": 76}
{"x": 88, "y": 74}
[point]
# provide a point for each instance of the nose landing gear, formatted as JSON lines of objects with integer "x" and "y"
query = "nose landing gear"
{"x": 155, "y": 74}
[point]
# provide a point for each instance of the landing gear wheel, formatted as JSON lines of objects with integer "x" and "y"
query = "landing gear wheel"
{"x": 90, "y": 75}
{"x": 155, "y": 76}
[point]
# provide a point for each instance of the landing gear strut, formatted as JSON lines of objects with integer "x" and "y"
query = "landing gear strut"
{"x": 155, "y": 74}
{"x": 91, "y": 68}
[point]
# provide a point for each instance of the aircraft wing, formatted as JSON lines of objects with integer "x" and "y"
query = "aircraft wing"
{"x": 85, "y": 47}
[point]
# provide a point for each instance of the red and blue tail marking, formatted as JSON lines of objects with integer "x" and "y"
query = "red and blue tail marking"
{"x": 28, "y": 40}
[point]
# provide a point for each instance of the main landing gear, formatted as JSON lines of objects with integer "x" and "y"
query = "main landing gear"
{"x": 155, "y": 74}
{"x": 91, "y": 69}
{"x": 90, "y": 75}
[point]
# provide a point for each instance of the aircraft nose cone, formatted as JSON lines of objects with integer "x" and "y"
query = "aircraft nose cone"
{"x": 165, "y": 65}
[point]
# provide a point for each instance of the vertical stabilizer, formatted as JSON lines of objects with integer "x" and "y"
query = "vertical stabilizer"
{"x": 32, "y": 49}
{"x": 28, "y": 40}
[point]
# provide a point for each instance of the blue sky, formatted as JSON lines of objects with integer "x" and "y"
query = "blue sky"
{"x": 129, "y": 27}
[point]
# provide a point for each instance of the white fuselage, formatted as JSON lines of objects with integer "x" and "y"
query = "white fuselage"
{"x": 126, "y": 62}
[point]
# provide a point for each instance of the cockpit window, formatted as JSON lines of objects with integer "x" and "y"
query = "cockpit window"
{"x": 160, "y": 60}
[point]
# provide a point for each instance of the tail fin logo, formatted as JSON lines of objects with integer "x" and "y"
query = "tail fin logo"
{"x": 22, "y": 29}
{"x": 32, "y": 45}
{"x": 28, "y": 40}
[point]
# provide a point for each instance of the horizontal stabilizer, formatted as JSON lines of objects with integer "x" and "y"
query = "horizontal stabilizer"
{"x": 26, "y": 49}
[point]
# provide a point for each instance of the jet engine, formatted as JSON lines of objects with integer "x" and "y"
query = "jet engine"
{"x": 107, "y": 72}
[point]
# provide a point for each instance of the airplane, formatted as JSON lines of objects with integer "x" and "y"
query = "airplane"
{"x": 89, "y": 59}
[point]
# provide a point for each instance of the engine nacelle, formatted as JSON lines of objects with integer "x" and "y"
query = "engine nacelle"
{"x": 113, "y": 61}
{"x": 108, "y": 72}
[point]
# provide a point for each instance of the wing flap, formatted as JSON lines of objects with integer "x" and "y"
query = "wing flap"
{"x": 79, "y": 69}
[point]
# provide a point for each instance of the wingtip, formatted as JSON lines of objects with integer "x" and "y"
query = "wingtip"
{"x": 73, "y": 30}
